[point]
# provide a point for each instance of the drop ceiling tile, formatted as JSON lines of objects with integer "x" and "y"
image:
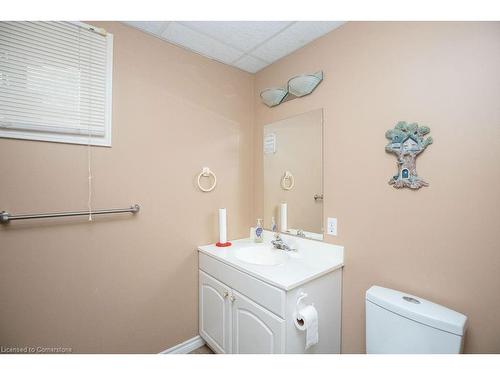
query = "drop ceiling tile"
{"x": 198, "y": 42}
{"x": 154, "y": 27}
{"x": 243, "y": 35}
{"x": 292, "y": 38}
{"x": 250, "y": 64}
{"x": 227, "y": 41}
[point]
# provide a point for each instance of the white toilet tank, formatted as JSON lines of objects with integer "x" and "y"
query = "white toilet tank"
{"x": 397, "y": 322}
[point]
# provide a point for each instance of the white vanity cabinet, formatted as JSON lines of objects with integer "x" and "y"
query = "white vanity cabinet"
{"x": 232, "y": 323}
{"x": 241, "y": 313}
{"x": 255, "y": 329}
{"x": 215, "y": 313}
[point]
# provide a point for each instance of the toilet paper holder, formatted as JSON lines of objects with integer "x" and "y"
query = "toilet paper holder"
{"x": 301, "y": 296}
{"x": 299, "y": 305}
{"x": 306, "y": 320}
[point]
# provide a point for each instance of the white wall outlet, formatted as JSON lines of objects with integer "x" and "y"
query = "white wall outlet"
{"x": 331, "y": 228}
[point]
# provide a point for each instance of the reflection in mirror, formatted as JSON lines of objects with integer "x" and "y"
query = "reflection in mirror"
{"x": 293, "y": 175}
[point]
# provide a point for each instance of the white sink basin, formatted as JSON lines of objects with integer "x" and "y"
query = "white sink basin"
{"x": 261, "y": 255}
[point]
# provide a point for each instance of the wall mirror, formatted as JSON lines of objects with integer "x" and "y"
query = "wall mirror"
{"x": 293, "y": 175}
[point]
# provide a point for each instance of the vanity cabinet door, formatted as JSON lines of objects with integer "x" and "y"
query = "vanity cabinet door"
{"x": 215, "y": 313}
{"x": 255, "y": 329}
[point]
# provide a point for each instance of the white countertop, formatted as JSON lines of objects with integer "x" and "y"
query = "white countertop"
{"x": 312, "y": 260}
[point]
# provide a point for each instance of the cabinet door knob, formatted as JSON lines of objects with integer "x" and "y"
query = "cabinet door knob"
{"x": 232, "y": 299}
{"x": 225, "y": 294}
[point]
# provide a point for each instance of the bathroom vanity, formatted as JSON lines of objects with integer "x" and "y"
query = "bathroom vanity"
{"x": 249, "y": 295}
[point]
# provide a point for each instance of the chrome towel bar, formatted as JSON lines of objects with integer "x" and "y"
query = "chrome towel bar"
{"x": 5, "y": 217}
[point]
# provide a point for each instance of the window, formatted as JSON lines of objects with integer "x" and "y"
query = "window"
{"x": 55, "y": 82}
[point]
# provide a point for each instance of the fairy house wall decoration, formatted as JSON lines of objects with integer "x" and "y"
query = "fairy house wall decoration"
{"x": 407, "y": 142}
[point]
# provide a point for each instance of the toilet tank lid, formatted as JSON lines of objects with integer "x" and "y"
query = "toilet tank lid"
{"x": 418, "y": 309}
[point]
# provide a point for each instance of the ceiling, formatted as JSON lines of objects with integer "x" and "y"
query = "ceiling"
{"x": 247, "y": 45}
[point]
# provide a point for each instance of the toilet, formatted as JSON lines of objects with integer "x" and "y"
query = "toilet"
{"x": 399, "y": 323}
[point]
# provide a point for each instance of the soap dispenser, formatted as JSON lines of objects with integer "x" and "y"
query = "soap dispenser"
{"x": 259, "y": 231}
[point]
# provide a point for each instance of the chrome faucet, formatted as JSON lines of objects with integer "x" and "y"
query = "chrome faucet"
{"x": 279, "y": 244}
{"x": 300, "y": 233}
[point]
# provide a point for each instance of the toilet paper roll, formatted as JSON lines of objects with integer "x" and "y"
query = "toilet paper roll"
{"x": 306, "y": 319}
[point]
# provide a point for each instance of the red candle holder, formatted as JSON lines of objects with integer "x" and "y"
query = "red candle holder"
{"x": 226, "y": 244}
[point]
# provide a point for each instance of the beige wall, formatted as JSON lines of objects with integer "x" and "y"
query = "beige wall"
{"x": 113, "y": 285}
{"x": 299, "y": 151}
{"x": 440, "y": 242}
{"x": 127, "y": 284}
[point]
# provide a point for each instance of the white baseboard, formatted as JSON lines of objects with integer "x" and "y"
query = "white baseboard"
{"x": 186, "y": 347}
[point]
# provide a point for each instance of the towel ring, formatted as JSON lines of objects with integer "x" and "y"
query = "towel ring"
{"x": 291, "y": 181}
{"x": 206, "y": 172}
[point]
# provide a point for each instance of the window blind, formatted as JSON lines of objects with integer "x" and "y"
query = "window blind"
{"x": 55, "y": 82}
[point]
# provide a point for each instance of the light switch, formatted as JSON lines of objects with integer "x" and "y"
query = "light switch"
{"x": 331, "y": 228}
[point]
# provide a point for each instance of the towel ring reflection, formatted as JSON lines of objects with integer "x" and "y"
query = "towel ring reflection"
{"x": 291, "y": 181}
{"x": 206, "y": 172}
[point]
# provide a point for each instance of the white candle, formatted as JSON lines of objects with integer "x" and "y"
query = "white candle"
{"x": 222, "y": 225}
{"x": 283, "y": 223}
